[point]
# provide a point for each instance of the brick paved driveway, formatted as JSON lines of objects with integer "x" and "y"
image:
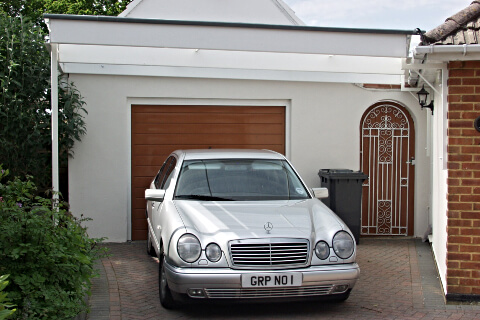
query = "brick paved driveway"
{"x": 398, "y": 281}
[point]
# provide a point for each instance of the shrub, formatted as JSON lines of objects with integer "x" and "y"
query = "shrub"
{"x": 25, "y": 115}
{"x": 4, "y": 301}
{"x": 47, "y": 253}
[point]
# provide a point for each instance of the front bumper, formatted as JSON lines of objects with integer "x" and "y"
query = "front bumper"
{"x": 225, "y": 283}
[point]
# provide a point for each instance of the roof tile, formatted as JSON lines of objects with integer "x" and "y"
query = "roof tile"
{"x": 461, "y": 28}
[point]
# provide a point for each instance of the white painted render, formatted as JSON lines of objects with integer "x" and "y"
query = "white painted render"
{"x": 439, "y": 179}
{"x": 323, "y": 122}
{"x": 248, "y": 11}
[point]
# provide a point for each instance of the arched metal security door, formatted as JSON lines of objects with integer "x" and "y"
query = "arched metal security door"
{"x": 387, "y": 157}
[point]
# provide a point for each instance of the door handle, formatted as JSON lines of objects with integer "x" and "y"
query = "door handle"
{"x": 411, "y": 161}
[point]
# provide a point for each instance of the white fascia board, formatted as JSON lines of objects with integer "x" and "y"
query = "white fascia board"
{"x": 227, "y": 37}
{"x": 116, "y": 55}
{"x": 224, "y": 73}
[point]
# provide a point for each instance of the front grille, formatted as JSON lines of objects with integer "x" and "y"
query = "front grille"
{"x": 269, "y": 292}
{"x": 269, "y": 252}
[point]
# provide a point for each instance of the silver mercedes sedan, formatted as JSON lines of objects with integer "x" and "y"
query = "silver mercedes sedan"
{"x": 241, "y": 224}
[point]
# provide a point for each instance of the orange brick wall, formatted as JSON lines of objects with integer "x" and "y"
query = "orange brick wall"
{"x": 463, "y": 247}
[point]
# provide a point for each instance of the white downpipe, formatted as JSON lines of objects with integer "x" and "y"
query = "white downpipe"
{"x": 54, "y": 97}
{"x": 445, "y": 117}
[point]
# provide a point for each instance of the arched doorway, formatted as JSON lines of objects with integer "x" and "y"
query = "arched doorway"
{"x": 387, "y": 153}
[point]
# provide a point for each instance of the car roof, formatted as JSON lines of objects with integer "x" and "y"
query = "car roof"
{"x": 196, "y": 154}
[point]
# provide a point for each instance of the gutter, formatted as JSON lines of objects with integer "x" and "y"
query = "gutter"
{"x": 463, "y": 49}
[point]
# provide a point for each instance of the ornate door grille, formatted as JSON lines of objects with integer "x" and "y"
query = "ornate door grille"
{"x": 387, "y": 151}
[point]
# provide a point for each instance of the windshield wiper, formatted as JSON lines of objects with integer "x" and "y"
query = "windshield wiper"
{"x": 201, "y": 197}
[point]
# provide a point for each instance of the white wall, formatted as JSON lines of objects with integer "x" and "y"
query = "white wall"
{"x": 439, "y": 182}
{"x": 323, "y": 132}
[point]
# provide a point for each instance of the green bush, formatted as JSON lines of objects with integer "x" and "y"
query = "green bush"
{"x": 25, "y": 108}
{"x": 5, "y": 304}
{"x": 47, "y": 253}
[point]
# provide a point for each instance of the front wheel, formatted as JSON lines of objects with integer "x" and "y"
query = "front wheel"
{"x": 166, "y": 299}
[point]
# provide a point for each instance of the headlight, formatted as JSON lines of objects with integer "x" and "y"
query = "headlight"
{"x": 213, "y": 252}
{"x": 343, "y": 244}
{"x": 189, "y": 248}
{"x": 322, "y": 250}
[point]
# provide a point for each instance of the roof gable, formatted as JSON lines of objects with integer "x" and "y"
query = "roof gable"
{"x": 461, "y": 28}
{"x": 244, "y": 11}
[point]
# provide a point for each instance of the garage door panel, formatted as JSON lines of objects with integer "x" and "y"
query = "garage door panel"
{"x": 146, "y": 171}
{"x": 152, "y": 128}
{"x": 142, "y": 181}
{"x": 138, "y": 214}
{"x": 139, "y": 193}
{"x": 206, "y": 109}
{"x": 155, "y": 151}
{"x": 160, "y": 151}
{"x": 140, "y": 224}
{"x": 139, "y": 203}
{"x": 177, "y": 118}
{"x": 139, "y": 234}
{"x": 149, "y": 160}
{"x": 276, "y": 148}
{"x": 159, "y": 130}
{"x": 163, "y": 139}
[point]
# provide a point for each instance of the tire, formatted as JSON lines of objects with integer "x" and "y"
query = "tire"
{"x": 150, "y": 248}
{"x": 166, "y": 299}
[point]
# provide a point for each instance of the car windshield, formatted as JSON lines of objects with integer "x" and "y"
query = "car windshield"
{"x": 239, "y": 179}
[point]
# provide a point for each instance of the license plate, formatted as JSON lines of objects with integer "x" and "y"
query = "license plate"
{"x": 269, "y": 280}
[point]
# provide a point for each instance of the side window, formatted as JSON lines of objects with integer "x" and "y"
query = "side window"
{"x": 165, "y": 173}
{"x": 169, "y": 173}
{"x": 161, "y": 174}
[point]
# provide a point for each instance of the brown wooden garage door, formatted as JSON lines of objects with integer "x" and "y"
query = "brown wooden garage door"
{"x": 159, "y": 130}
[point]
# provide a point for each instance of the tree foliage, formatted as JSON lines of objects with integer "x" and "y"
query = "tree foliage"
{"x": 5, "y": 305}
{"x": 34, "y": 9}
{"x": 25, "y": 117}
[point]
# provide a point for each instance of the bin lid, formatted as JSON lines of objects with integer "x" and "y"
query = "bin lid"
{"x": 342, "y": 174}
{"x": 336, "y": 170}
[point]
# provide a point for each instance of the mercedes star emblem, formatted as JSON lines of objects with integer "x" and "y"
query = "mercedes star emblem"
{"x": 268, "y": 227}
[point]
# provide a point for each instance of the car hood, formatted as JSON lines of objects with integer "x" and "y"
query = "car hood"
{"x": 248, "y": 219}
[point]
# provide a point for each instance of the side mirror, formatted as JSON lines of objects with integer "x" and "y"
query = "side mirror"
{"x": 320, "y": 193}
{"x": 154, "y": 194}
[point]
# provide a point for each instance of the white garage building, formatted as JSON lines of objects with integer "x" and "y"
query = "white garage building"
{"x": 167, "y": 75}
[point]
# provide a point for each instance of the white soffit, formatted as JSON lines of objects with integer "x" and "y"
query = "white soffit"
{"x": 117, "y": 55}
{"x": 239, "y": 37}
{"x": 225, "y": 73}
{"x": 168, "y": 62}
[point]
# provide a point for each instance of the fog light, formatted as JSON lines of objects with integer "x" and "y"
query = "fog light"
{"x": 341, "y": 288}
{"x": 196, "y": 293}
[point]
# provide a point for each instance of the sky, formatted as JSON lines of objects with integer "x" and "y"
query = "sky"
{"x": 377, "y": 14}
